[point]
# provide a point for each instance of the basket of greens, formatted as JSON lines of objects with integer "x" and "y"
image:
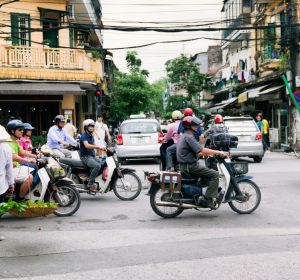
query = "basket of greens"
{"x": 28, "y": 209}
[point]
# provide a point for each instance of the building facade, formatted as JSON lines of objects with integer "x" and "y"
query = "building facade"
{"x": 48, "y": 64}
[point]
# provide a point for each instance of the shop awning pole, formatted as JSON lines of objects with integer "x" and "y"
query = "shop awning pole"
{"x": 290, "y": 92}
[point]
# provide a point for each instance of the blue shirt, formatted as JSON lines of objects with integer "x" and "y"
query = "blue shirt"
{"x": 197, "y": 134}
{"x": 84, "y": 152}
{"x": 55, "y": 135}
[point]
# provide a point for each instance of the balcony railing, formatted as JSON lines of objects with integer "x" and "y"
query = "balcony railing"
{"x": 269, "y": 54}
{"x": 51, "y": 58}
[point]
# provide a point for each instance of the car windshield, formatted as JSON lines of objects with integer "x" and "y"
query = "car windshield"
{"x": 139, "y": 127}
{"x": 240, "y": 125}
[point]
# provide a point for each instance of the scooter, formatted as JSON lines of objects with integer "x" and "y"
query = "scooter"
{"x": 173, "y": 192}
{"x": 124, "y": 182}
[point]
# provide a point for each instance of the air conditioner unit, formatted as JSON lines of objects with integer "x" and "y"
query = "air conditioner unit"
{"x": 71, "y": 11}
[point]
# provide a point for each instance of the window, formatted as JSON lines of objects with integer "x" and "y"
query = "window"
{"x": 20, "y": 29}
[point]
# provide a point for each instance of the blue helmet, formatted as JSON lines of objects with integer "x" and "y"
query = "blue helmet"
{"x": 14, "y": 125}
{"x": 28, "y": 126}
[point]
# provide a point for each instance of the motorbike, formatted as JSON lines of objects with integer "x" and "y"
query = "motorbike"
{"x": 53, "y": 186}
{"x": 124, "y": 182}
{"x": 173, "y": 192}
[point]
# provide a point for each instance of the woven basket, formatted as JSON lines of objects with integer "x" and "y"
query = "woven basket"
{"x": 33, "y": 212}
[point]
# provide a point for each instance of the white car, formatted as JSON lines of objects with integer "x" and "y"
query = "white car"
{"x": 139, "y": 138}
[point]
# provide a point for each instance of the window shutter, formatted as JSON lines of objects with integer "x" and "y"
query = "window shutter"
{"x": 14, "y": 28}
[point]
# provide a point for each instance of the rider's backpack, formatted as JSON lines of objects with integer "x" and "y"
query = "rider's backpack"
{"x": 223, "y": 141}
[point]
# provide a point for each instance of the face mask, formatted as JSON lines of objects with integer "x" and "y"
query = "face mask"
{"x": 91, "y": 128}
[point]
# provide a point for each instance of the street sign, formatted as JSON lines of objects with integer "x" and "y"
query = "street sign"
{"x": 297, "y": 96}
{"x": 297, "y": 80}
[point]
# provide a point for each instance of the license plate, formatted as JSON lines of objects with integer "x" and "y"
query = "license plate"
{"x": 138, "y": 140}
{"x": 244, "y": 138}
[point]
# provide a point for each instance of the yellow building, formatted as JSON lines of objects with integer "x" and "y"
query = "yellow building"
{"x": 47, "y": 66}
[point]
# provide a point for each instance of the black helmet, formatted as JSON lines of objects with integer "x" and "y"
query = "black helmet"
{"x": 59, "y": 118}
{"x": 14, "y": 125}
{"x": 189, "y": 121}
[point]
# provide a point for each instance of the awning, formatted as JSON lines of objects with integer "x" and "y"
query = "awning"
{"x": 252, "y": 93}
{"x": 220, "y": 106}
{"x": 40, "y": 89}
{"x": 272, "y": 89}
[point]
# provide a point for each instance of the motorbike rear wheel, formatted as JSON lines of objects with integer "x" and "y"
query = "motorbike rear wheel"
{"x": 128, "y": 187}
{"x": 163, "y": 211}
{"x": 250, "y": 199}
{"x": 67, "y": 198}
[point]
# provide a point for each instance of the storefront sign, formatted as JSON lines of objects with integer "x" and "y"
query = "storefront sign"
{"x": 297, "y": 80}
{"x": 243, "y": 97}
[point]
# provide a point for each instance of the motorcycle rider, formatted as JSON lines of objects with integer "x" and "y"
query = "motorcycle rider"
{"x": 6, "y": 165}
{"x": 188, "y": 149}
{"x": 171, "y": 151}
{"x": 217, "y": 127}
{"x": 87, "y": 152}
{"x": 168, "y": 140}
{"x": 21, "y": 173}
{"x": 57, "y": 138}
{"x": 188, "y": 112}
{"x": 173, "y": 134}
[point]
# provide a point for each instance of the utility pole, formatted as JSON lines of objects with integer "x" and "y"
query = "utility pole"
{"x": 294, "y": 62}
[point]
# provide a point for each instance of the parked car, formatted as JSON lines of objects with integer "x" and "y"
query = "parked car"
{"x": 250, "y": 137}
{"x": 139, "y": 138}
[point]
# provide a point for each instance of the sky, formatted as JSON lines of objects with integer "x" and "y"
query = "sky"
{"x": 155, "y": 57}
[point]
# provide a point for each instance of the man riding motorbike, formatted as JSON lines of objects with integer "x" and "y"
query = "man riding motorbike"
{"x": 188, "y": 150}
{"x": 21, "y": 173}
{"x": 57, "y": 138}
{"x": 87, "y": 152}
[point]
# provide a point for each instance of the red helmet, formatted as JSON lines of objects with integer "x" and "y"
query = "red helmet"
{"x": 219, "y": 118}
{"x": 188, "y": 112}
{"x": 188, "y": 121}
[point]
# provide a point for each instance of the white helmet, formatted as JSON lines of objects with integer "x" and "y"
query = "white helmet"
{"x": 88, "y": 122}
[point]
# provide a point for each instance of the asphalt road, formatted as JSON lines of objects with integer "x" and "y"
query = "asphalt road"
{"x": 112, "y": 239}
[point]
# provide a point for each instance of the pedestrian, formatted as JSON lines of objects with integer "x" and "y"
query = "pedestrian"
{"x": 70, "y": 129}
{"x": 102, "y": 135}
{"x": 263, "y": 125}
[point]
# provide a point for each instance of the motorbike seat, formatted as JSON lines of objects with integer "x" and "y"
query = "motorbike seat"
{"x": 72, "y": 162}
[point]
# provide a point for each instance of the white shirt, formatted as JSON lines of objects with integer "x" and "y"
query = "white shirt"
{"x": 6, "y": 167}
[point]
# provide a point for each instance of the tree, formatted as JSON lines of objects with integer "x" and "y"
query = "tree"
{"x": 134, "y": 64}
{"x": 131, "y": 92}
{"x": 184, "y": 73}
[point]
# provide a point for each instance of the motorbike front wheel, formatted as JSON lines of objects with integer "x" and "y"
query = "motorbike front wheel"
{"x": 249, "y": 199}
{"x": 128, "y": 187}
{"x": 67, "y": 198}
{"x": 163, "y": 211}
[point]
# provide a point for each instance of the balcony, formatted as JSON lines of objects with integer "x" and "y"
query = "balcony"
{"x": 243, "y": 19}
{"x": 21, "y": 62}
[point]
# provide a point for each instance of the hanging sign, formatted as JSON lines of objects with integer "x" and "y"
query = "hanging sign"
{"x": 297, "y": 96}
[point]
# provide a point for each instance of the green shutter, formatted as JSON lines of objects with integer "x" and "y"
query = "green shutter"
{"x": 14, "y": 28}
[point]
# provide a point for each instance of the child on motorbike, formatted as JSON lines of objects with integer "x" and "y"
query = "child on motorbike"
{"x": 188, "y": 150}
{"x": 21, "y": 173}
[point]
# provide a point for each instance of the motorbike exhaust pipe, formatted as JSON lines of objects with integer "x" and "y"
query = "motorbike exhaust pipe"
{"x": 174, "y": 204}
